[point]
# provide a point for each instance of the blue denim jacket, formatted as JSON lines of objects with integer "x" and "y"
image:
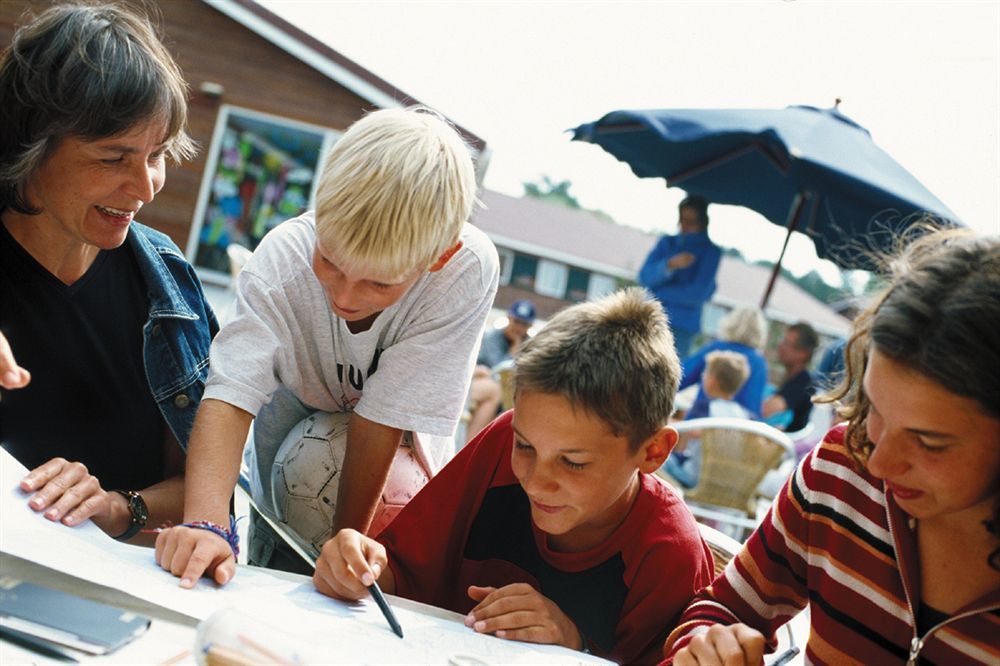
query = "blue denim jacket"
{"x": 179, "y": 331}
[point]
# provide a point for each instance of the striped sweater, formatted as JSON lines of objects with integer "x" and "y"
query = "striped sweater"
{"x": 834, "y": 540}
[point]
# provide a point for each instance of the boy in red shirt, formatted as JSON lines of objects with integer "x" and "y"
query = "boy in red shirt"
{"x": 549, "y": 526}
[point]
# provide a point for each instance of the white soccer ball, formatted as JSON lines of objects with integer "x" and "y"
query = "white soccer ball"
{"x": 306, "y": 476}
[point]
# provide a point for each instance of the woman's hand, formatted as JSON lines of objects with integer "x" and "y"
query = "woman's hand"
{"x": 723, "y": 645}
{"x": 12, "y": 376}
{"x": 70, "y": 494}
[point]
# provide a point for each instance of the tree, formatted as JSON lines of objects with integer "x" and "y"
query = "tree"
{"x": 553, "y": 192}
{"x": 812, "y": 283}
{"x": 558, "y": 193}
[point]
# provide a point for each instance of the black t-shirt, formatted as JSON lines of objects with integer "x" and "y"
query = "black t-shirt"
{"x": 797, "y": 392}
{"x": 89, "y": 399}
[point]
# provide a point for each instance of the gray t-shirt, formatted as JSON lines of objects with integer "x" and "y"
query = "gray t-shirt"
{"x": 410, "y": 370}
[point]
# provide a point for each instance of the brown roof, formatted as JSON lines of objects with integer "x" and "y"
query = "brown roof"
{"x": 590, "y": 241}
{"x": 583, "y": 239}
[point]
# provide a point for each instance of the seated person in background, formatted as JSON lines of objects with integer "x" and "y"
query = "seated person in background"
{"x": 106, "y": 313}
{"x": 795, "y": 351}
{"x": 742, "y": 330}
{"x": 498, "y": 345}
{"x": 890, "y": 529}
{"x": 725, "y": 372}
{"x": 373, "y": 305}
{"x": 549, "y": 526}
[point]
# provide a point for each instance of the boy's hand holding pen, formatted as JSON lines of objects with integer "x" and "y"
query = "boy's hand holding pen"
{"x": 351, "y": 566}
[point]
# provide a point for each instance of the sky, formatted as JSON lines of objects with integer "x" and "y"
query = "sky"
{"x": 922, "y": 77}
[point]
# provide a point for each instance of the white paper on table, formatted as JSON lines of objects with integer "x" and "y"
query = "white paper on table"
{"x": 324, "y": 630}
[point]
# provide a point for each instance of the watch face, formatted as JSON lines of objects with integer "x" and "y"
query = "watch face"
{"x": 137, "y": 506}
{"x": 138, "y": 514}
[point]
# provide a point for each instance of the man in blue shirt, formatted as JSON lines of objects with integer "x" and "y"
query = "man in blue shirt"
{"x": 680, "y": 271}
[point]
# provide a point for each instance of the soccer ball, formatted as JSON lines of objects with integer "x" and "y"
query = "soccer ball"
{"x": 306, "y": 475}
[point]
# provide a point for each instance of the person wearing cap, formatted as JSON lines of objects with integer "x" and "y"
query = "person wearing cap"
{"x": 498, "y": 345}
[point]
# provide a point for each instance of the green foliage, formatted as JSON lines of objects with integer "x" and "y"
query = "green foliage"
{"x": 733, "y": 252}
{"x": 812, "y": 284}
{"x": 552, "y": 192}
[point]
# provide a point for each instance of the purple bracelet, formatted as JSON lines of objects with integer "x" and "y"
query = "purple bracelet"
{"x": 230, "y": 535}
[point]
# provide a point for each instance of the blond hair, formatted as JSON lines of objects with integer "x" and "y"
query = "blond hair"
{"x": 613, "y": 357}
{"x": 745, "y": 325}
{"x": 730, "y": 370}
{"x": 395, "y": 192}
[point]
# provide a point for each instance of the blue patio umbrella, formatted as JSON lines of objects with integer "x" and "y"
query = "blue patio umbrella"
{"x": 807, "y": 169}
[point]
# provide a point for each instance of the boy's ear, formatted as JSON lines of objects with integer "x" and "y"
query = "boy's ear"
{"x": 443, "y": 259}
{"x": 654, "y": 451}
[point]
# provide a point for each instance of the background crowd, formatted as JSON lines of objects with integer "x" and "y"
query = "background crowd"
{"x": 552, "y": 524}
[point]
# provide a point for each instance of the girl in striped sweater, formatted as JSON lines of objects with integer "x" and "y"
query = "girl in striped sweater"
{"x": 889, "y": 529}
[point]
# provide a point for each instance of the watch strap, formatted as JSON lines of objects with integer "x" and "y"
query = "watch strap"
{"x": 138, "y": 514}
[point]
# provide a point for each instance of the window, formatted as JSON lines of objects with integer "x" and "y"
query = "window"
{"x": 711, "y": 317}
{"x": 576, "y": 285}
{"x": 551, "y": 279}
{"x": 522, "y": 273}
{"x": 600, "y": 285}
{"x": 260, "y": 171}
{"x": 506, "y": 264}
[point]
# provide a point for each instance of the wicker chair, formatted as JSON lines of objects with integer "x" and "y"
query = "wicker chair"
{"x": 504, "y": 372}
{"x": 735, "y": 456}
{"x": 723, "y": 546}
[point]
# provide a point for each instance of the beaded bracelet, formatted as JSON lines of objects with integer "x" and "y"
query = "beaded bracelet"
{"x": 230, "y": 535}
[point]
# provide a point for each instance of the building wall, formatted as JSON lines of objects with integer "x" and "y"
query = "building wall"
{"x": 255, "y": 74}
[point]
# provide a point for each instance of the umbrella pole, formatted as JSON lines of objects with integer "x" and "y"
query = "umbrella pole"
{"x": 794, "y": 215}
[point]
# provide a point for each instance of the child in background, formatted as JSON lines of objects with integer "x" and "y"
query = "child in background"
{"x": 549, "y": 526}
{"x": 725, "y": 373}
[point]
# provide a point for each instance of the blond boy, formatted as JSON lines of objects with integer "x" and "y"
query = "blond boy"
{"x": 725, "y": 374}
{"x": 549, "y": 526}
{"x": 373, "y": 304}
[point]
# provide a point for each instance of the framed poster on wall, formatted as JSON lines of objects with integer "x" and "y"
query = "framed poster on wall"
{"x": 260, "y": 171}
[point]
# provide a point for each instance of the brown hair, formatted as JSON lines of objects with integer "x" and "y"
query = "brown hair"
{"x": 614, "y": 357}
{"x": 940, "y": 316}
{"x": 88, "y": 71}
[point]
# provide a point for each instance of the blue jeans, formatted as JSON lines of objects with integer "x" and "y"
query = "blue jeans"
{"x": 265, "y": 548}
{"x": 685, "y": 467}
{"x": 683, "y": 340}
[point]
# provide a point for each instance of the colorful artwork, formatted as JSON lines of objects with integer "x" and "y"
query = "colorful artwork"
{"x": 264, "y": 173}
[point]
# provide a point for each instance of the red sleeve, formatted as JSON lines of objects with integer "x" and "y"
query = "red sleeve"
{"x": 671, "y": 563}
{"x": 426, "y": 540}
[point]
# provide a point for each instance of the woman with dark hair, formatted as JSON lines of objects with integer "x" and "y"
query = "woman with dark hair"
{"x": 889, "y": 529}
{"x": 106, "y": 314}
